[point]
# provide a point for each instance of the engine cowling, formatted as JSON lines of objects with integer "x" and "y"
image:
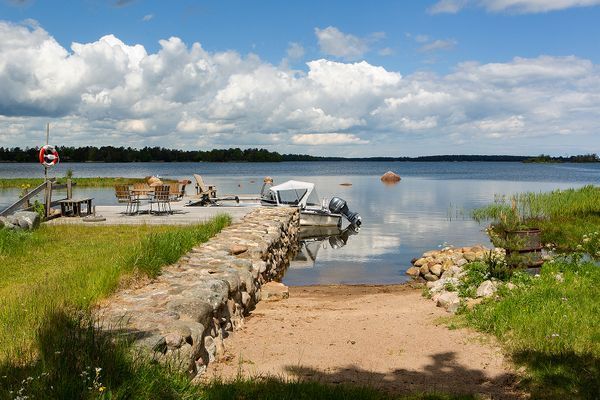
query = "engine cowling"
{"x": 339, "y": 206}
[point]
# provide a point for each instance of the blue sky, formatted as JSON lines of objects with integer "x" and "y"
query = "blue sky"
{"x": 335, "y": 77}
{"x": 267, "y": 27}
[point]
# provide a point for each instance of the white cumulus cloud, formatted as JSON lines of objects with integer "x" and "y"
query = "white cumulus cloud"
{"x": 439, "y": 44}
{"x": 295, "y": 51}
{"x": 320, "y": 139}
{"x": 336, "y": 43}
{"x": 109, "y": 92}
{"x": 517, "y": 6}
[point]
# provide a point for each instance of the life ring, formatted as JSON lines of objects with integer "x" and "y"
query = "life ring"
{"x": 48, "y": 156}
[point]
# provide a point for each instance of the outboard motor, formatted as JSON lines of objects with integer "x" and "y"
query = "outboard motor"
{"x": 339, "y": 206}
{"x": 340, "y": 240}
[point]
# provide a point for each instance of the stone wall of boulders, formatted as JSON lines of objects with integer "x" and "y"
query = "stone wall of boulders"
{"x": 183, "y": 315}
{"x": 443, "y": 270}
{"x": 432, "y": 265}
{"x": 25, "y": 220}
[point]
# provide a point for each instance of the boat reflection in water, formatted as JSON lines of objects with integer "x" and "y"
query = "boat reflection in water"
{"x": 313, "y": 238}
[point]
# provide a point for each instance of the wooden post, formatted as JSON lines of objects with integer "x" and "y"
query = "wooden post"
{"x": 48, "y": 197}
{"x": 27, "y": 202}
{"x": 69, "y": 189}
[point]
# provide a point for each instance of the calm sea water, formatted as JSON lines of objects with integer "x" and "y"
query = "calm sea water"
{"x": 424, "y": 211}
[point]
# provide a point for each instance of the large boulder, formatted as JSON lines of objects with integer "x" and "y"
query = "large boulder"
{"x": 436, "y": 269}
{"x": 413, "y": 271}
{"x": 486, "y": 289}
{"x": 390, "y": 177}
{"x": 449, "y": 300}
{"x": 274, "y": 291}
{"x": 28, "y": 220}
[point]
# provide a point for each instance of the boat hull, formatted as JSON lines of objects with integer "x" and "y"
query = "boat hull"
{"x": 311, "y": 218}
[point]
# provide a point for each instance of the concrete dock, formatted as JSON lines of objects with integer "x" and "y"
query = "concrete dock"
{"x": 182, "y": 215}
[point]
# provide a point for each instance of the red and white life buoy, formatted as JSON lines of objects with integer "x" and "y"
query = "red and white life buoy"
{"x": 48, "y": 156}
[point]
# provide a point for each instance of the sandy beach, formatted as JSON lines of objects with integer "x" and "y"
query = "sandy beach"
{"x": 388, "y": 337}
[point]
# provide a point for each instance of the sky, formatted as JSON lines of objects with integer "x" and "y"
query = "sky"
{"x": 340, "y": 78}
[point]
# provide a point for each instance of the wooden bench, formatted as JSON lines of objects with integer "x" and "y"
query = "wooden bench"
{"x": 72, "y": 207}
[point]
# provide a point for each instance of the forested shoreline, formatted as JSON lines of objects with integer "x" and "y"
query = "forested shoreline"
{"x": 149, "y": 154}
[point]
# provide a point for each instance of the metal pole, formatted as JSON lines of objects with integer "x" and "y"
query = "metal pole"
{"x": 47, "y": 139}
{"x": 48, "y": 184}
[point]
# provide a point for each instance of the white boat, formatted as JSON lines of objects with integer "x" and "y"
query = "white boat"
{"x": 313, "y": 238}
{"x": 304, "y": 196}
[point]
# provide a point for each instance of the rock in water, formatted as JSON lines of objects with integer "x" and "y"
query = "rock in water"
{"x": 413, "y": 271}
{"x": 390, "y": 177}
{"x": 274, "y": 291}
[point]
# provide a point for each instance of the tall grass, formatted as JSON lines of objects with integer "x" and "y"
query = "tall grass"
{"x": 563, "y": 215}
{"x": 556, "y": 204}
{"x": 158, "y": 249}
{"x": 74, "y": 266}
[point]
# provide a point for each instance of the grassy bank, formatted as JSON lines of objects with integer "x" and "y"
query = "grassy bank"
{"x": 6, "y": 183}
{"x": 51, "y": 348}
{"x": 563, "y": 215}
{"x": 73, "y": 266}
{"x": 550, "y": 323}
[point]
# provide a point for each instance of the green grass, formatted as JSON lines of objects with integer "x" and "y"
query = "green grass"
{"x": 163, "y": 248}
{"x": 552, "y": 327}
{"x": 73, "y": 266}
{"x": 80, "y": 182}
{"x": 563, "y": 215}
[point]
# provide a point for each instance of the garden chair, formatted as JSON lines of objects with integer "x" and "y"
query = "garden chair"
{"x": 178, "y": 189}
{"x": 162, "y": 199}
{"x": 142, "y": 190}
{"x": 203, "y": 189}
{"x": 125, "y": 196}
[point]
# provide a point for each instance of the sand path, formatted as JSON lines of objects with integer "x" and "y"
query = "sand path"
{"x": 388, "y": 337}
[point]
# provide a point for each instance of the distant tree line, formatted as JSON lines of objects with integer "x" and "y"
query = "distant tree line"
{"x": 583, "y": 158}
{"x": 147, "y": 154}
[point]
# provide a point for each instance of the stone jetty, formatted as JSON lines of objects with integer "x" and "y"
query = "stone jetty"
{"x": 182, "y": 316}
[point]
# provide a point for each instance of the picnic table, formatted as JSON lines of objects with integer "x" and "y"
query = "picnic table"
{"x": 72, "y": 207}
